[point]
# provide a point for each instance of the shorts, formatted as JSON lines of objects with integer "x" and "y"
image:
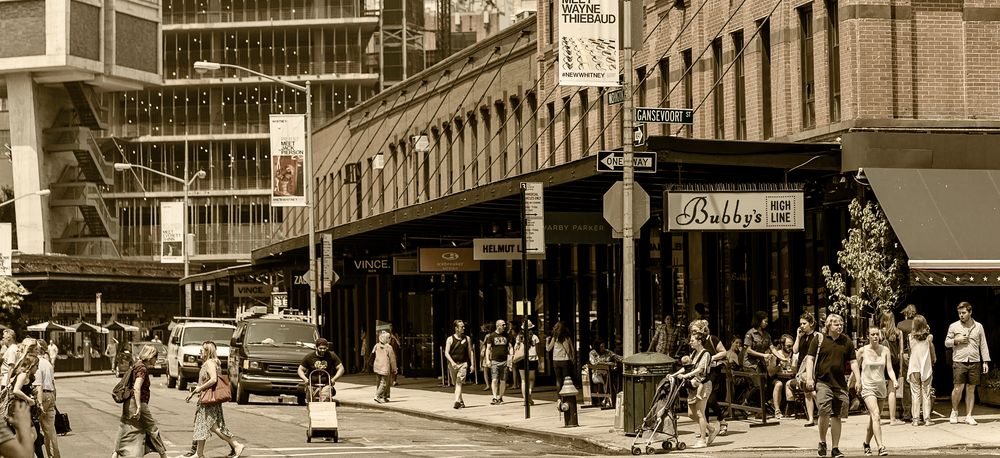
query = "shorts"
{"x": 832, "y": 401}
{"x": 967, "y": 373}
{"x": 498, "y": 370}
{"x": 697, "y": 394}
{"x": 459, "y": 373}
{"x": 532, "y": 365}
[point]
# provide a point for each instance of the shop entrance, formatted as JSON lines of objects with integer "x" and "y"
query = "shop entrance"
{"x": 417, "y": 336}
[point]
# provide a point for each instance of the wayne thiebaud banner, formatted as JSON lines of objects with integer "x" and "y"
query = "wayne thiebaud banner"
{"x": 171, "y": 232}
{"x": 588, "y": 43}
{"x": 734, "y": 211}
{"x": 288, "y": 153}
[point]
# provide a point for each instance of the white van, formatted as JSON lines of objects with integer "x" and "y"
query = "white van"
{"x": 184, "y": 347}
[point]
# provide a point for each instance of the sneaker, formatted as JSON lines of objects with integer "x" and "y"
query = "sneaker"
{"x": 462, "y": 404}
{"x": 378, "y": 400}
{"x": 699, "y": 444}
{"x": 882, "y": 451}
{"x": 971, "y": 421}
{"x": 494, "y": 402}
{"x": 916, "y": 422}
{"x": 821, "y": 449}
{"x": 954, "y": 417}
{"x": 868, "y": 448}
{"x": 486, "y": 388}
{"x": 835, "y": 453}
{"x": 723, "y": 429}
{"x": 897, "y": 422}
{"x": 458, "y": 405}
{"x": 712, "y": 432}
{"x": 190, "y": 453}
{"x": 810, "y": 424}
{"x": 500, "y": 400}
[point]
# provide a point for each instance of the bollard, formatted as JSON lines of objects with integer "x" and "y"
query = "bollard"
{"x": 567, "y": 403}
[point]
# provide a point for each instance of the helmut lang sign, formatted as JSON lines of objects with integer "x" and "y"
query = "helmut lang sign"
{"x": 733, "y": 211}
{"x": 499, "y": 249}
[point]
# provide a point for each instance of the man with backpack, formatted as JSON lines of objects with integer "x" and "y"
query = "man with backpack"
{"x": 458, "y": 351}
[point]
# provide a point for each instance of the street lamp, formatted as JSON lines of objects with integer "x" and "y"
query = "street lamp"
{"x": 43, "y": 192}
{"x": 121, "y": 167}
{"x": 202, "y": 67}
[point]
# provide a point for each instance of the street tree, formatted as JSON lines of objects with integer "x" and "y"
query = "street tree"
{"x": 873, "y": 260}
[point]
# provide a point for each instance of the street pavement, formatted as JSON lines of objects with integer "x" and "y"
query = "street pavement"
{"x": 426, "y": 398}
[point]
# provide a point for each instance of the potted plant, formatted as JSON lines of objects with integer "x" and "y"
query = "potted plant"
{"x": 989, "y": 390}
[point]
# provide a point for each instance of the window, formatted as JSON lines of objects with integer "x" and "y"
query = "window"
{"x": 767, "y": 122}
{"x": 740, "y": 89}
{"x": 808, "y": 79}
{"x": 551, "y": 108}
{"x": 567, "y": 128}
{"x": 449, "y": 167}
{"x": 3, "y": 104}
{"x": 550, "y": 18}
{"x": 602, "y": 94}
{"x": 584, "y": 120}
{"x": 833, "y": 54}
{"x": 484, "y": 113}
{"x": 688, "y": 86}
{"x": 474, "y": 150}
{"x": 664, "y": 66}
{"x": 460, "y": 138}
{"x": 640, "y": 76}
{"x": 532, "y": 132}
{"x": 718, "y": 92}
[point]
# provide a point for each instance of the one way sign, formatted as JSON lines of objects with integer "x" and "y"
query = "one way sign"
{"x": 613, "y": 161}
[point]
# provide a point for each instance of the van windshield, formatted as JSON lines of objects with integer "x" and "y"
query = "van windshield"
{"x": 280, "y": 332}
{"x": 220, "y": 336}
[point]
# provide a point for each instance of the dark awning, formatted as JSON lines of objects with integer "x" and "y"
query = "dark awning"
{"x": 947, "y": 221}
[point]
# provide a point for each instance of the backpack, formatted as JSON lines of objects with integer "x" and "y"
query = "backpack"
{"x": 123, "y": 390}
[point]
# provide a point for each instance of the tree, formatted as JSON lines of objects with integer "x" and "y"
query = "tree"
{"x": 11, "y": 295}
{"x": 873, "y": 259}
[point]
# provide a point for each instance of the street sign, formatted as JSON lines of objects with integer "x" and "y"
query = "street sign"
{"x": 639, "y": 136}
{"x": 665, "y": 115}
{"x": 614, "y": 161}
{"x": 613, "y": 206}
{"x": 534, "y": 217}
{"x": 616, "y": 96}
{"x": 279, "y": 300}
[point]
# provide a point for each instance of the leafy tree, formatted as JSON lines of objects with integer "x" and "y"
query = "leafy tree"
{"x": 11, "y": 295}
{"x": 873, "y": 259}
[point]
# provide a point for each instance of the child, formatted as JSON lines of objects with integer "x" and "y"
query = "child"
{"x": 385, "y": 366}
{"x": 701, "y": 389}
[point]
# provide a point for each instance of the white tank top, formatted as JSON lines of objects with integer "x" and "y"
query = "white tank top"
{"x": 920, "y": 357}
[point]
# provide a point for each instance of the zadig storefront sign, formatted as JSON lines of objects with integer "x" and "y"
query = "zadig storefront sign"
{"x": 588, "y": 42}
{"x": 733, "y": 211}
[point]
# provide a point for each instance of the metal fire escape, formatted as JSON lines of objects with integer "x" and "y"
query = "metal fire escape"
{"x": 92, "y": 231}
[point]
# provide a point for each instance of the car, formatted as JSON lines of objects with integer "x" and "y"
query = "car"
{"x": 125, "y": 359}
{"x": 265, "y": 354}
{"x": 184, "y": 347}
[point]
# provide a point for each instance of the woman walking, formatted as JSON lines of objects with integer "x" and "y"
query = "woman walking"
{"x": 24, "y": 375}
{"x": 527, "y": 378}
{"x": 875, "y": 361}
{"x": 384, "y": 367}
{"x": 893, "y": 340}
{"x": 699, "y": 387}
{"x": 920, "y": 372}
{"x": 560, "y": 345}
{"x": 208, "y": 418}
{"x": 138, "y": 430}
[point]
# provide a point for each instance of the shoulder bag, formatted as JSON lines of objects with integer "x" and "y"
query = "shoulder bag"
{"x": 218, "y": 393}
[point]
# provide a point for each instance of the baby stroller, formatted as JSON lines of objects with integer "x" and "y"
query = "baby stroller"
{"x": 661, "y": 417}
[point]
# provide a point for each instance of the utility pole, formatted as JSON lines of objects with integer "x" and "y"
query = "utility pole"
{"x": 628, "y": 181}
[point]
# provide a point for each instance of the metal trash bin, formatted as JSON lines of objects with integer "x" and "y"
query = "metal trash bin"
{"x": 641, "y": 373}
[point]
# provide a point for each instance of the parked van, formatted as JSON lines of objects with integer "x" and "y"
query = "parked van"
{"x": 184, "y": 347}
{"x": 266, "y": 353}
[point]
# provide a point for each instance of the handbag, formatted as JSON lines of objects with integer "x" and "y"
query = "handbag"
{"x": 518, "y": 353}
{"x": 218, "y": 394}
{"x": 62, "y": 423}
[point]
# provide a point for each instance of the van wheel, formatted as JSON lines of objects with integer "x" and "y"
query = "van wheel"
{"x": 171, "y": 381}
{"x": 301, "y": 399}
{"x": 182, "y": 384}
{"x": 242, "y": 397}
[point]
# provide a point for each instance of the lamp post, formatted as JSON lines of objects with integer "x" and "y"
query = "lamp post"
{"x": 121, "y": 167}
{"x": 43, "y": 192}
{"x": 201, "y": 67}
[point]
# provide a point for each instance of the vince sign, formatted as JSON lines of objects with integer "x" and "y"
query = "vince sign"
{"x": 733, "y": 211}
{"x": 588, "y": 42}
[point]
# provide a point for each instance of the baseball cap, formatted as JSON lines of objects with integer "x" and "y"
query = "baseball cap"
{"x": 321, "y": 342}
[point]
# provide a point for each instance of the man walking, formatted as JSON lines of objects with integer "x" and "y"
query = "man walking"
{"x": 498, "y": 349}
{"x": 970, "y": 353}
{"x": 825, "y": 362}
{"x": 460, "y": 359}
{"x": 45, "y": 391}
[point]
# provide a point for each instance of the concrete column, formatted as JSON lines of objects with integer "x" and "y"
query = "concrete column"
{"x": 28, "y": 162}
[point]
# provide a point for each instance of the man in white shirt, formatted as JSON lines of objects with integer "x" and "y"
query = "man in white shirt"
{"x": 9, "y": 356}
{"x": 970, "y": 353}
{"x": 53, "y": 352}
{"x": 45, "y": 391}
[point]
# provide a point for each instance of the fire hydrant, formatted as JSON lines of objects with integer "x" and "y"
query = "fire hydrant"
{"x": 567, "y": 403}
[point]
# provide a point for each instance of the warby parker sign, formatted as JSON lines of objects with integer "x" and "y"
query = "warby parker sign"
{"x": 733, "y": 211}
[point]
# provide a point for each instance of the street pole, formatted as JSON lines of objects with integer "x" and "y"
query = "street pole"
{"x": 184, "y": 244}
{"x": 628, "y": 180}
{"x": 309, "y": 207}
{"x": 526, "y": 338}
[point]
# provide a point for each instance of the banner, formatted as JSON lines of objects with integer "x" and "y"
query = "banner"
{"x": 588, "y": 43}
{"x": 5, "y": 250}
{"x": 171, "y": 232}
{"x": 288, "y": 153}
{"x": 733, "y": 211}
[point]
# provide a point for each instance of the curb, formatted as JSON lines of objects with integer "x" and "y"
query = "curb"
{"x": 82, "y": 374}
{"x": 551, "y": 437}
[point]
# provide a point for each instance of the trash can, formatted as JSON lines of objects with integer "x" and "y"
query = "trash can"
{"x": 641, "y": 373}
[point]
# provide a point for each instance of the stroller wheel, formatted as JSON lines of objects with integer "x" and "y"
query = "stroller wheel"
{"x": 681, "y": 446}
{"x": 650, "y": 450}
{"x": 667, "y": 445}
{"x": 636, "y": 451}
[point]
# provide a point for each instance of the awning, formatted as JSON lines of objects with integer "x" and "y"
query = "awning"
{"x": 947, "y": 221}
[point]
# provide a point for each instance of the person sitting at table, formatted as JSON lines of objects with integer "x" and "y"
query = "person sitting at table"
{"x": 781, "y": 368}
{"x": 599, "y": 354}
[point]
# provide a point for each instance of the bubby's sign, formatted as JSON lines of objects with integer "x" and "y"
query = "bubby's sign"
{"x": 733, "y": 211}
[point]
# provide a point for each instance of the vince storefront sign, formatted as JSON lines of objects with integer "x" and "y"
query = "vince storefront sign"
{"x": 733, "y": 211}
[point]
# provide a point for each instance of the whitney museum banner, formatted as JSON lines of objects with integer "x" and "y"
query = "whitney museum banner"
{"x": 288, "y": 154}
{"x": 588, "y": 43}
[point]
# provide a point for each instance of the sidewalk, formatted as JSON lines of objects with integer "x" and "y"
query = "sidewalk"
{"x": 425, "y": 397}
